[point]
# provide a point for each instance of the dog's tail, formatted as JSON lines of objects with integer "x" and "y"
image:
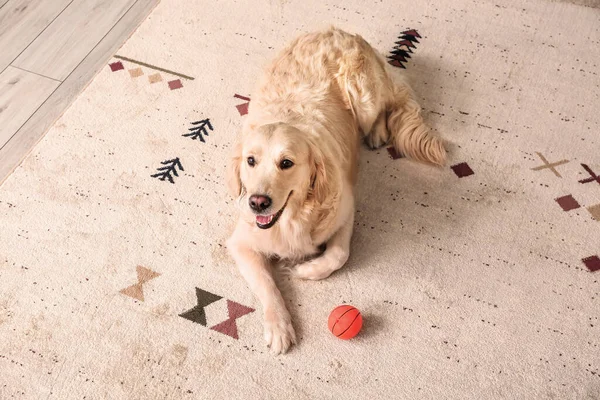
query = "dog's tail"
{"x": 409, "y": 134}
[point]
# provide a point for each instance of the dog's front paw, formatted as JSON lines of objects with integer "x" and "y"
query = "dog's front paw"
{"x": 316, "y": 269}
{"x": 374, "y": 142}
{"x": 279, "y": 332}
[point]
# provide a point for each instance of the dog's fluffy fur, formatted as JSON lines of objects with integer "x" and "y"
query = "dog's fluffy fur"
{"x": 314, "y": 104}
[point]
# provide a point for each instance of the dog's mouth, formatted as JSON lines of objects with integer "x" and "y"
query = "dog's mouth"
{"x": 267, "y": 221}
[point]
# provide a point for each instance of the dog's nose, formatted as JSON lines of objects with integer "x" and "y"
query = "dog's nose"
{"x": 259, "y": 202}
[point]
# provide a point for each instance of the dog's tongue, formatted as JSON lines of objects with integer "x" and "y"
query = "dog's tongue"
{"x": 264, "y": 219}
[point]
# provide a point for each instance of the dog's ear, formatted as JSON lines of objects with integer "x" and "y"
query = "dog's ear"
{"x": 319, "y": 180}
{"x": 234, "y": 182}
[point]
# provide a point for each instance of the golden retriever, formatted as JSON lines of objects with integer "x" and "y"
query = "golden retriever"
{"x": 294, "y": 166}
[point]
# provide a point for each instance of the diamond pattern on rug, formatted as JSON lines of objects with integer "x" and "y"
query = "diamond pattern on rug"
{"x": 567, "y": 203}
{"x": 592, "y": 263}
{"x": 135, "y": 72}
{"x": 462, "y": 170}
{"x": 242, "y": 108}
{"x": 595, "y": 211}
{"x": 136, "y": 290}
{"x": 154, "y": 78}
{"x": 116, "y": 66}
{"x": 175, "y": 84}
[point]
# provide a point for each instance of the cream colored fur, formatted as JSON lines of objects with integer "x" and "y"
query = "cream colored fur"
{"x": 315, "y": 102}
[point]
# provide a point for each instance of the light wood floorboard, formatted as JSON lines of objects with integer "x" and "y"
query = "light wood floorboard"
{"x": 13, "y": 152}
{"x": 21, "y": 94}
{"x": 71, "y": 36}
{"x": 21, "y": 21}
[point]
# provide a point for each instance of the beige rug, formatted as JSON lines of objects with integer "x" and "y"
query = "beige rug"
{"x": 475, "y": 280}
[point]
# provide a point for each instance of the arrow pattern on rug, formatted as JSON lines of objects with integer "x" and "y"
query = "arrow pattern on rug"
{"x": 169, "y": 170}
{"x": 228, "y": 327}
{"x": 136, "y": 291}
{"x": 401, "y": 52}
{"x": 198, "y": 130}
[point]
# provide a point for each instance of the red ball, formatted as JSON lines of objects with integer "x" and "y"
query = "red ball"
{"x": 345, "y": 322}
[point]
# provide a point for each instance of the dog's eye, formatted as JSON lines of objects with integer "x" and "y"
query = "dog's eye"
{"x": 285, "y": 164}
{"x": 251, "y": 161}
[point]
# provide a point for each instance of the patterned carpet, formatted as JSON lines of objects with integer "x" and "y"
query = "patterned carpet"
{"x": 477, "y": 280}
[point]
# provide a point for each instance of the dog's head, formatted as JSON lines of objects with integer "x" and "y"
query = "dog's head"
{"x": 274, "y": 169}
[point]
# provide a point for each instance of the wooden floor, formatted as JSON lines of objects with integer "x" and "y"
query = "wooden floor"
{"x": 50, "y": 51}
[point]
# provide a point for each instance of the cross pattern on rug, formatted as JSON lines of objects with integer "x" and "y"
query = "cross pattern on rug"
{"x": 548, "y": 165}
{"x": 594, "y": 177}
{"x": 136, "y": 290}
{"x": 228, "y": 327}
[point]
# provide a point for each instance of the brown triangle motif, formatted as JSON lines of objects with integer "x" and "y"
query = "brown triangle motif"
{"x": 145, "y": 274}
{"x": 134, "y": 291}
{"x": 228, "y": 327}
{"x": 237, "y": 310}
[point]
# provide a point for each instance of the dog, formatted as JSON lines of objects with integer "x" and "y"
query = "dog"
{"x": 294, "y": 165}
